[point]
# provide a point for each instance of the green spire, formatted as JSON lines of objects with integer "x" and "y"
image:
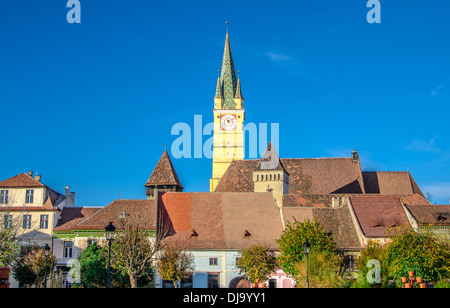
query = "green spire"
{"x": 238, "y": 89}
{"x": 219, "y": 93}
{"x": 228, "y": 77}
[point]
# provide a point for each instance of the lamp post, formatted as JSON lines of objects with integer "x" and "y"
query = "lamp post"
{"x": 110, "y": 229}
{"x": 46, "y": 250}
{"x": 306, "y": 250}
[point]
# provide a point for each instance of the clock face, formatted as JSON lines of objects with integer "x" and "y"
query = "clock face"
{"x": 228, "y": 122}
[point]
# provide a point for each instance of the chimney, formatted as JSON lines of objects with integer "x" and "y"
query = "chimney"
{"x": 67, "y": 191}
{"x": 72, "y": 195}
{"x": 30, "y": 173}
{"x": 37, "y": 178}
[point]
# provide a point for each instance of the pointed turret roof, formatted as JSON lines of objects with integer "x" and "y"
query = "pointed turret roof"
{"x": 270, "y": 160}
{"x": 228, "y": 76}
{"x": 164, "y": 173}
{"x": 219, "y": 93}
{"x": 238, "y": 89}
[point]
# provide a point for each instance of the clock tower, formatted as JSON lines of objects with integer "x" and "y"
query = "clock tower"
{"x": 229, "y": 116}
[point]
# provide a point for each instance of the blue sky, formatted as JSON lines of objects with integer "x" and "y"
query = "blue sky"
{"x": 92, "y": 105}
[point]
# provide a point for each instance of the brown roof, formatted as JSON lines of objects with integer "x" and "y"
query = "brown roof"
{"x": 142, "y": 212}
{"x": 220, "y": 220}
{"x": 335, "y": 220}
{"x": 306, "y": 176}
{"x": 390, "y": 183}
{"x": 376, "y": 214}
{"x": 164, "y": 173}
{"x": 436, "y": 214}
{"x": 71, "y": 216}
{"x": 21, "y": 180}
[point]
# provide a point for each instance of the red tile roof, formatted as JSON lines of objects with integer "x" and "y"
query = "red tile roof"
{"x": 306, "y": 176}
{"x": 142, "y": 212}
{"x": 436, "y": 214}
{"x": 20, "y": 180}
{"x": 376, "y": 214}
{"x": 220, "y": 219}
{"x": 390, "y": 183}
{"x": 164, "y": 173}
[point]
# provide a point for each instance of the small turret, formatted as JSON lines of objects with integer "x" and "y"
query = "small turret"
{"x": 270, "y": 175}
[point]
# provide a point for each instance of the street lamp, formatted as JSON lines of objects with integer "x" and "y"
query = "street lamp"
{"x": 110, "y": 229}
{"x": 306, "y": 250}
{"x": 46, "y": 249}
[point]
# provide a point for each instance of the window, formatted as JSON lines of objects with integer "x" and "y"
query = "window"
{"x": 91, "y": 242}
{"x": 212, "y": 261}
{"x": 29, "y": 196}
{"x": 213, "y": 280}
{"x": 26, "y": 221}
{"x": 186, "y": 283}
{"x": 68, "y": 249}
{"x": 44, "y": 222}
{"x": 4, "y": 196}
{"x": 8, "y": 221}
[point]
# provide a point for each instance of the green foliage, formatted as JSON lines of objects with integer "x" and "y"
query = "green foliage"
{"x": 421, "y": 252}
{"x": 94, "y": 268}
{"x": 292, "y": 239}
{"x": 443, "y": 284}
{"x": 323, "y": 270}
{"x": 256, "y": 262}
{"x": 9, "y": 248}
{"x": 377, "y": 251}
{"x": 22, "y": 272}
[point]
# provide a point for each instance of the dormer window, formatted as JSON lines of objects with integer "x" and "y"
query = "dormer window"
{"x": 29, "y": 196}
{"x": 193, "y": 234}
{"x": 122, "y": 215}
{"x": 247, "y": 234}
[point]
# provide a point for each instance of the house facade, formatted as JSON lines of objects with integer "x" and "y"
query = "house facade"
{"x": 32, "y": 208}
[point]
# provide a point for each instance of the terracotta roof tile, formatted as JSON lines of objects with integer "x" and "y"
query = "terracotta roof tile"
{"x": 376, "y": 214}
{"x": 220, "y": 219}
{"x": 142, "y": 212}
{"x": 306, "y": 176}
{"x": 390, "y": 183}
{"x": 21, "y": 180}
{"x": 164, "y": 173}
{"x": 436, "y": 214}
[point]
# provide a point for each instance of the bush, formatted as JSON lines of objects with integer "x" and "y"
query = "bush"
{"x": 292, "y": 239}
{"x": 256, "y": 263}
{"x": 323, "y": 270}
{"x": 421, "y": 252}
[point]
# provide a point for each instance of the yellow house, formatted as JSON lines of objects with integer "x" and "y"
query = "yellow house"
{"x": 229, "y": 116}
{"x": 31, "y": 207}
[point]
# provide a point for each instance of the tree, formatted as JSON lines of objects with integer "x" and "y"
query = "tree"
{"x": 134, "y": 251}
{"x": 174, "y": 264}
{"x": 372, "y": 251}
{"x": 32, "y": 267}
{"x": 323, "y": 270}
{"x": 292, "y": 239}
{"x": 9, "y": 246}
{"x": 256, "y": 262}
{"x": 421, "y": 252}
{"x": 94, "y": 268}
